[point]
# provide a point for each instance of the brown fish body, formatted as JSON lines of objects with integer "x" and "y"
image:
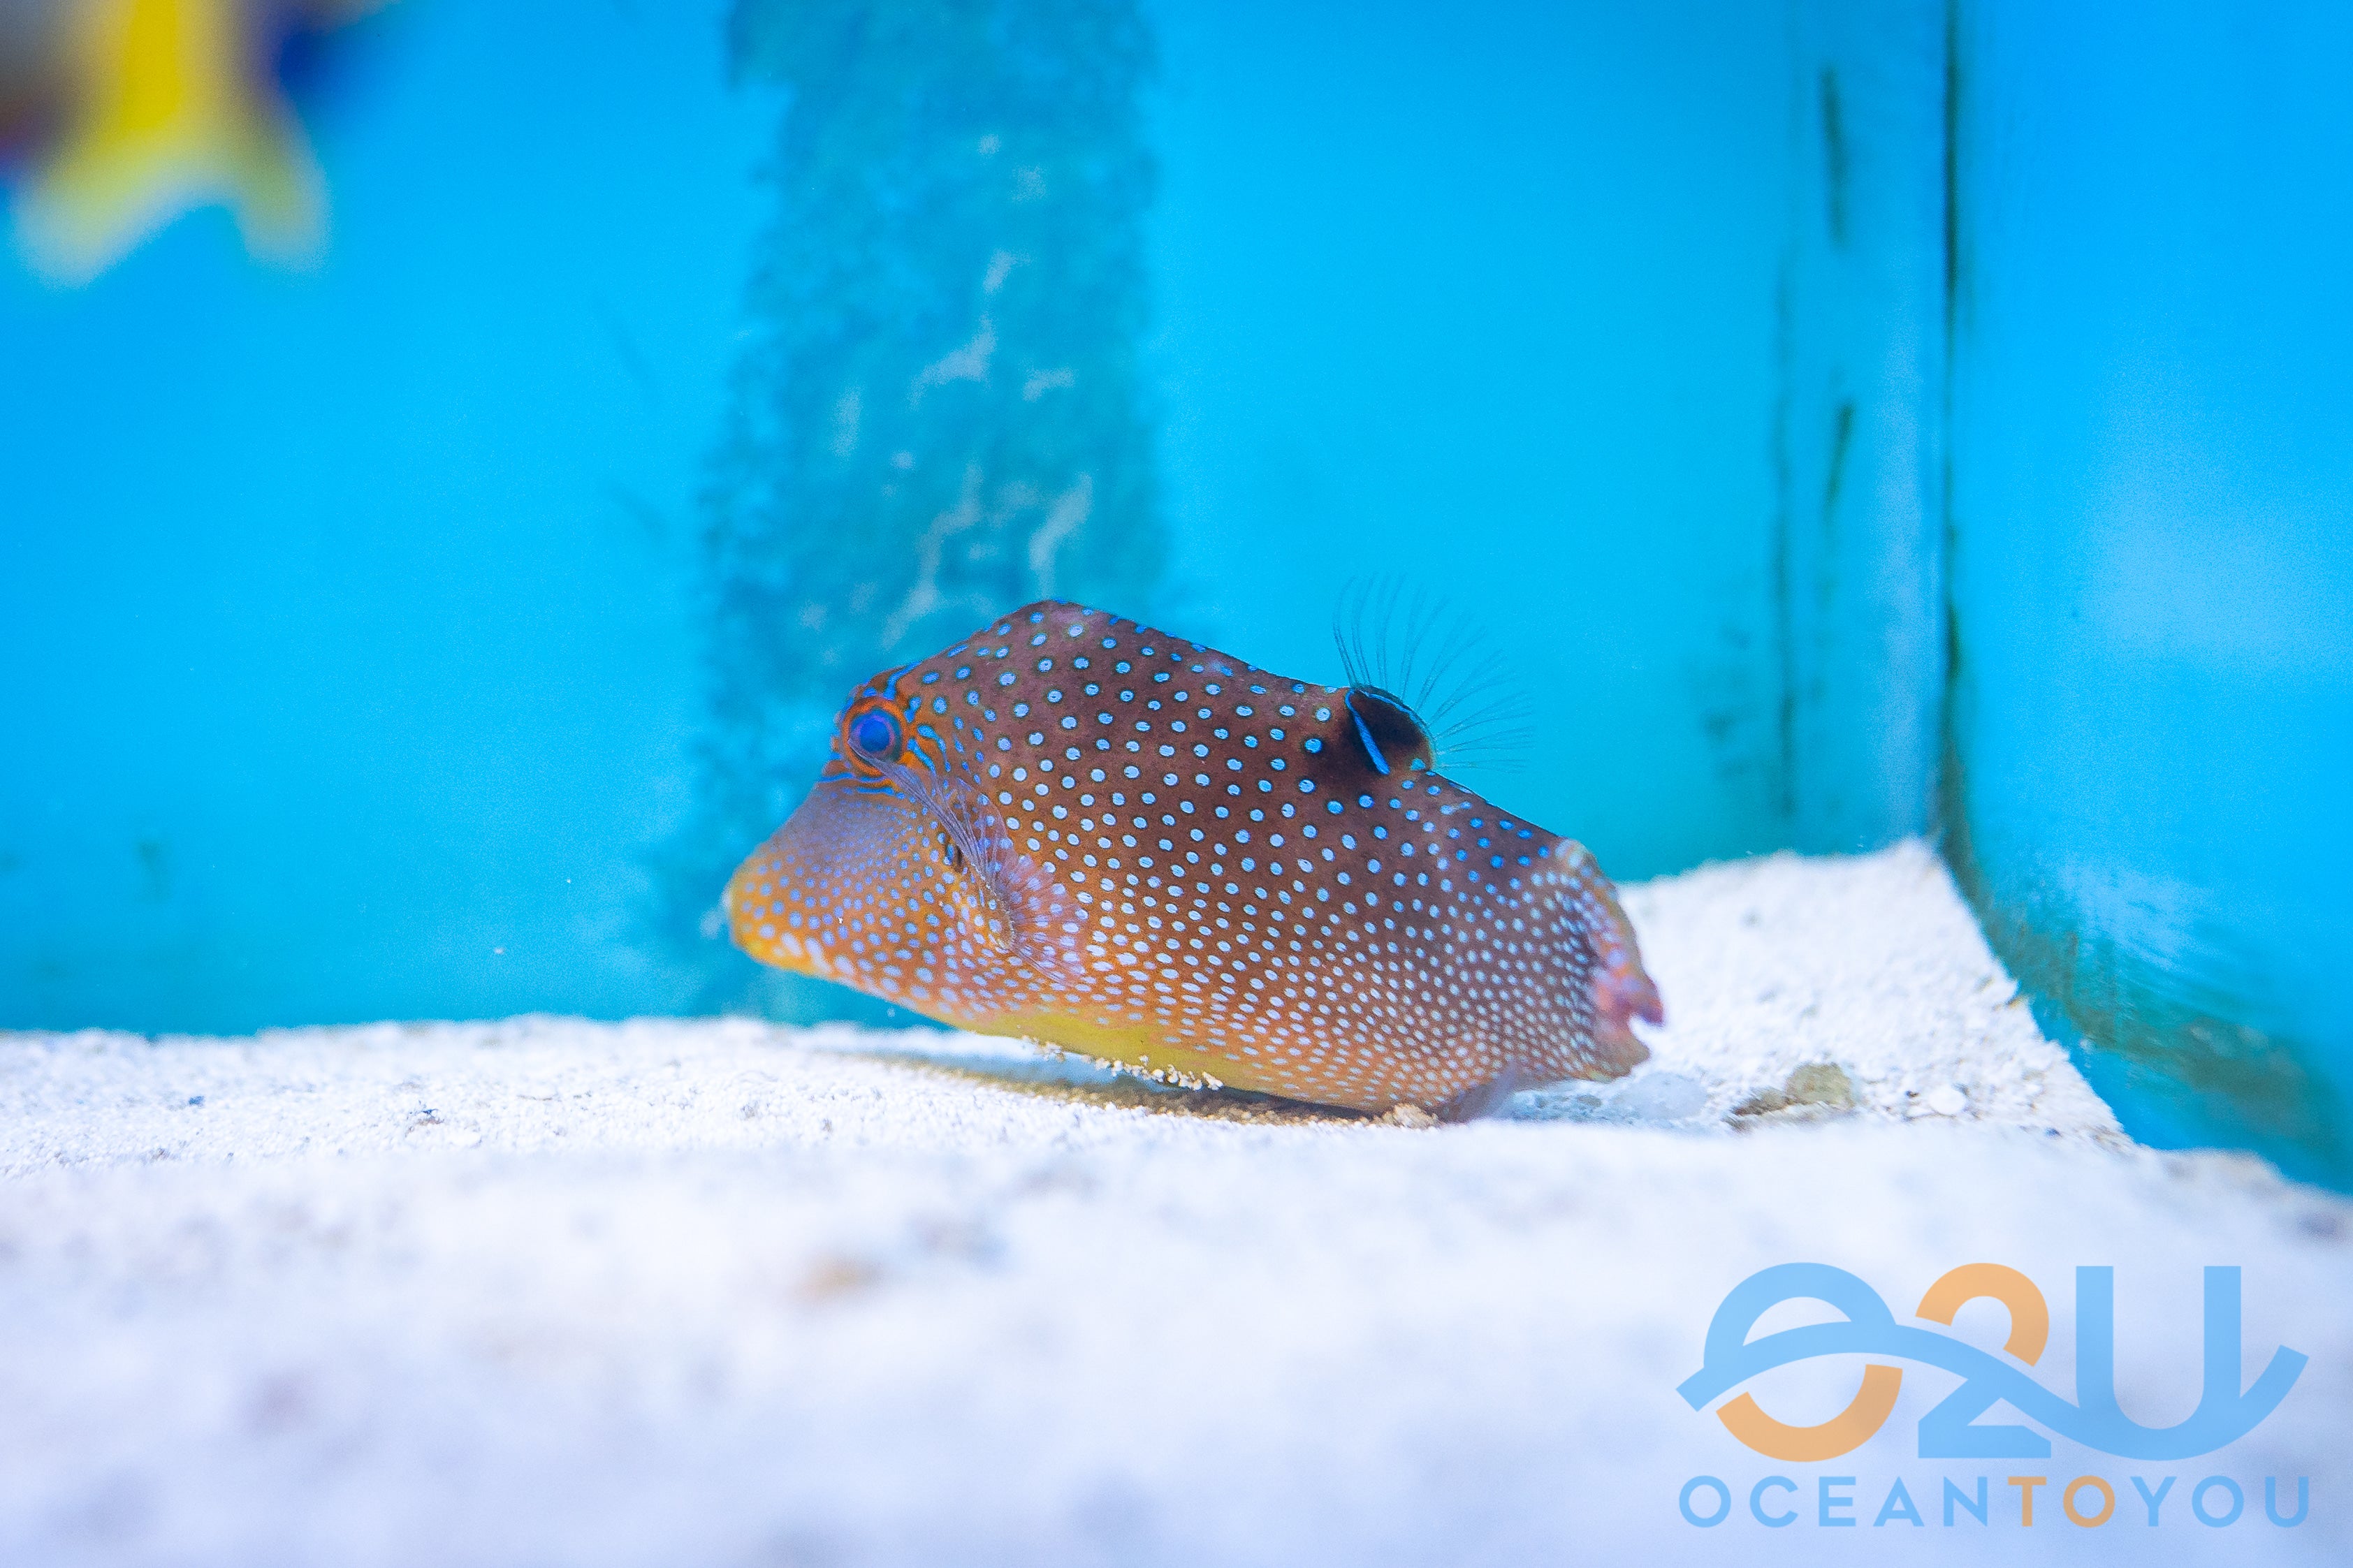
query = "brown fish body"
{"x": 1075, "y": 829}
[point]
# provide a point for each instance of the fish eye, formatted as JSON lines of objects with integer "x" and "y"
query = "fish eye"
{"x": 875, "y": 733}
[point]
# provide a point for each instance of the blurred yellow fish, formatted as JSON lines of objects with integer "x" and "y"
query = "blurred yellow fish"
{"x": 135, "y": 111}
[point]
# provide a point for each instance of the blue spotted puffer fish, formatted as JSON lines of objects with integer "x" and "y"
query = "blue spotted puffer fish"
{"x": 1075, "y": 829}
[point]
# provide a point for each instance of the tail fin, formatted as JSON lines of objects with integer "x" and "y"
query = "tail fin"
{"x": 1621, "y": 990}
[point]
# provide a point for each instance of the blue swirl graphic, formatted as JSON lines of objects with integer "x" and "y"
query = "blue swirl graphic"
{"x": 2223, "y": 1416}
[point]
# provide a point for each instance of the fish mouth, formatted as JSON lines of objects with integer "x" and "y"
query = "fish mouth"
{"x": 844, "y": 848}
{"x": 758, "y": 928}
{"x": 777, "y": 901}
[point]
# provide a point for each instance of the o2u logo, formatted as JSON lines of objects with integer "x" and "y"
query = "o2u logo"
{"x": 2225, "y": 1413}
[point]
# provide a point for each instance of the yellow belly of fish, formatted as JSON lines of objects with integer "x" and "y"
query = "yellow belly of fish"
{"x": 1139, "y": 1051}
{"x": 1122, "y": 1045}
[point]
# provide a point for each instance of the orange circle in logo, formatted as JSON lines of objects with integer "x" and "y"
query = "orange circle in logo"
{"x": 1849, "y": 1429}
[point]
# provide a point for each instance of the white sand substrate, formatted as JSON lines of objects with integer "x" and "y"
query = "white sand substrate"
{"x": 715, "y": 1292}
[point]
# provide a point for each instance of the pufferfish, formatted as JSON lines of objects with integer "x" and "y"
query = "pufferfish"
{"x": 1076, "y": 830}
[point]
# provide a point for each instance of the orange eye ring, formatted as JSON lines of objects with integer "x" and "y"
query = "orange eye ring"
{"x": 874, "y": 733}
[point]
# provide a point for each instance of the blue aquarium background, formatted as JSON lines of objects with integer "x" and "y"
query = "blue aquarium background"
{"x": 1844, "y": 422}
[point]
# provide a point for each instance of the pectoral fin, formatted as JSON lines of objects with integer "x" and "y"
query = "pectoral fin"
{"x": 1017, "y": 905}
